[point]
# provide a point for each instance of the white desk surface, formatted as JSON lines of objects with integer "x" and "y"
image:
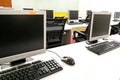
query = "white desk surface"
{"x": 88, "y": 65}
{"x": 69, "y": 27}
{"x": 114, "y": 22}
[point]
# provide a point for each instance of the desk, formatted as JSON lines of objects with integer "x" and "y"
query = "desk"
{"x": 69, "y": 27}
{"x": 114, "y": 22}
{"x": 89, "y": 66}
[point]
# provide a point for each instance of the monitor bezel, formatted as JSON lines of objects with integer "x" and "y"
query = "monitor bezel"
{"x": 52, "y": 14}
{"x": 25, "y": 54}
{"x": 90, "y": 38}
{"x": 74, "y": 20}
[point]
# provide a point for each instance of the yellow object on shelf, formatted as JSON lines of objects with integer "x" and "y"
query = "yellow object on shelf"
{"x": 31, "y": 12}
{"x": 61, "y": 14}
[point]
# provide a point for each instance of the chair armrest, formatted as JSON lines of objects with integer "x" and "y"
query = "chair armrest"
{"x": 114, "y": 29}
{"x": 114, "y": 26}
{"x": 79, "y": 36}
{"x": 79, "y": 33}
{"x": 76, "y": 32}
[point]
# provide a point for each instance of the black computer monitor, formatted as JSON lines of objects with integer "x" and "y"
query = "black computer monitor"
{"x": 117, "y": 16}
{"x": 21, "y": 35}
{"x": 99, "y": 25}
{"x": 73, "y": 14}
{"x": 49, "y": 14}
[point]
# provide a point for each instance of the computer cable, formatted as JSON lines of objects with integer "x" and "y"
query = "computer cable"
{"x": 54, "y": 53}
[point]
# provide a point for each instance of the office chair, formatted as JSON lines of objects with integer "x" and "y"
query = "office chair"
{"x": 55, "y": 33}
{"x": 56, "y": 21}
{"x": 59, "y": 20}
{"x": 115, "y": 29}
{"x": 79, "y": 36}
{"x": 59, "y": 17}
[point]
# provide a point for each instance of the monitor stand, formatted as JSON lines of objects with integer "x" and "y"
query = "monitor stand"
{"x": 21, "y": 61}
{"x": 91, "y": 42}
{"x": 71, "y": 21}
{"x": 17, "y": 62}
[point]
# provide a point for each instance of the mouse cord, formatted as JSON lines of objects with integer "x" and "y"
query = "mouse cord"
{"x": 54, "y": 53}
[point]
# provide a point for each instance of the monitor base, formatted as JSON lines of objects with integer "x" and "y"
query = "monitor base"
{"x": 91, "y": 42}
{"x": 17, "y": 62}
{"x": 7, "y": 65}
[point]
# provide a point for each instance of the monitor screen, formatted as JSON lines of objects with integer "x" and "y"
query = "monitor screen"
{"x": 99, "y": 25}
{"x": 73, "y": 14}
{"x": 21, "y": 35}
{"x": 49, "y": 14}
{"x": 117, "y": 15}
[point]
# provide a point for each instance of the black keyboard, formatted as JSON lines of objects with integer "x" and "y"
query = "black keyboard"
{"x": 31, "y": 71}
{"x": 103, "y": 47}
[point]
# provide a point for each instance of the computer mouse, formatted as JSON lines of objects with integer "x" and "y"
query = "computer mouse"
{"x": 68, "y": 60}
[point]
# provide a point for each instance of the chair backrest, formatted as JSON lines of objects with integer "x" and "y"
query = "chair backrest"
{"x": 59, "y": 17}
{"x": 115, "y": 29}
{"x": 88, "y": 17}
{"x": 55, "y": 33}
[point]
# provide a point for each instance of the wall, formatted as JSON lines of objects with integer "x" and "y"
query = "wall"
{"x": 98, "y": 5}
{"x": 57, "y": 5}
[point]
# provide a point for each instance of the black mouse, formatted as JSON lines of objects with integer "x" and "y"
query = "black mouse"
{"x": 68, "y": 60}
